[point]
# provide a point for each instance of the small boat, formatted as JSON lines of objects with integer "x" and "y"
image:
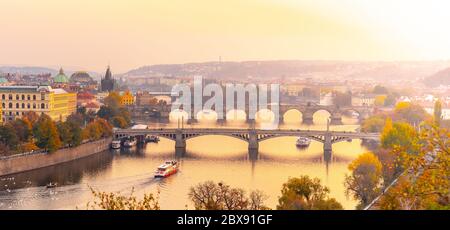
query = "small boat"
{"x": 130, "y": 142}
{"x": 303, "y": 142}
{"x": 167, "y": 169}
{"x": 52, "y": 185}
{"x": 154, "y": 139}
{"x": 115, "y": 144}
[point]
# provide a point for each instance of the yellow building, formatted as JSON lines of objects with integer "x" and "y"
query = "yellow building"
{"x": 127, "y": 98}
{"x": 17, "y": 100}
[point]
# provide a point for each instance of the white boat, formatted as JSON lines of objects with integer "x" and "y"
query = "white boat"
{"x": 167, "y": 169}
{"x": 115, "y": 144}
{"x": 303, "y": 142}
{"x": 130, "y": 142}
{"x": 154, "y": 139}
{"x": 355, "y": 114}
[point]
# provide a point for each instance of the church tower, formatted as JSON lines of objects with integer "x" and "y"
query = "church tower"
{"x": 108, "y": 83}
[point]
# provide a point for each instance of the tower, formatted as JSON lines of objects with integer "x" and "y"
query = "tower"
{"x": 108, "y": 83}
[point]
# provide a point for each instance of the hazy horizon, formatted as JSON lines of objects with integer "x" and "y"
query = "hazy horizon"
{"x": 89, "y": 35}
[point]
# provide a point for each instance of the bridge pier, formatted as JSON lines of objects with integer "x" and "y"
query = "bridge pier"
{"x": 180, "y": 143}
{"x": 308, "y": 118}
{"x": 253, "y": 144}
{"x": 192, "y": 121}
{"x": 327, "y": 145}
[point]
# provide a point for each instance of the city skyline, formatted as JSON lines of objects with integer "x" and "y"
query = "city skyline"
{"x": 90, "y": 35}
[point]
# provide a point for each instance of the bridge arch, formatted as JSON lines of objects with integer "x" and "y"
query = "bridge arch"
{"x": 242, "y": 137}
{"x": 292, "y": 115}
{"x": 321, "y": 115}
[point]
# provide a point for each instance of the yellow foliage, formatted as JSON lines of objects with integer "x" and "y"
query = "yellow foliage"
{"x": 367, "y": 159}
{"x": 379, "y": 100}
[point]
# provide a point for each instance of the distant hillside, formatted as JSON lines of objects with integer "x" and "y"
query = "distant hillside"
{"x": 304, "y": 69}
{"x": 440, "y": 78}
{"x": 26, "y": 70}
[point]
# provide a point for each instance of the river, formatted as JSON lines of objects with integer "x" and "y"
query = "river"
{"x": 216, "y": 158}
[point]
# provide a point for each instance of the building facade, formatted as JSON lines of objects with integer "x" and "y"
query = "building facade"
{"x": 18, "y": 100}
{"x": 363, "y": 100}
{"x": 127, "y": 98}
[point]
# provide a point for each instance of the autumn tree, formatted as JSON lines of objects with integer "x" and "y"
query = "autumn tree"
{"x": 365, "y": 180}
{"x": 219, "y": 196}
{"x": 117, "y": 201}
{"x": 437, "y": 112}
{"x": 305, "y": 193}
{"x": 425, "y": 184}
{"x": 401, "y": 135}
{"x": 409, "y": 112}
{"x": 46, "y": 134}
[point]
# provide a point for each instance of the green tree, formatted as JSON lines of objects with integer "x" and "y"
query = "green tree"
{"x": 380, "y": 90}
{"x": 8, "y": 137}
{"x": 76, "y": 132}
{"x": 390, "y": 100}
{"x": 65, "y": 133}
{"x": 23, "y": 129}
{"x": 119, "y": 122}
{"x": 373, "y": 124}
{"x": 438, "y": 112}
{"x": 365, "y": 180}
{"x": 46, "y": 134}
{"x": 305, "y": 193}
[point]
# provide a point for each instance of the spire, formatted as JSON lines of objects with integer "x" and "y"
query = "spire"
{"x": 61, "y": 71}
{"x": 108, "y": 74}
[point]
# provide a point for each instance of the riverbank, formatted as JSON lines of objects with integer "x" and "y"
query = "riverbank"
{"x": 23, "y": 163}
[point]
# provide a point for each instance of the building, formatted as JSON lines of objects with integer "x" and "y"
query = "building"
{"x": 363, "y": 100}
{"x": 145, "y": 99}
{"x": 60, "y": 80}
{"x": 82, "y": 80}
{"x": 18, "y": 100}
{"x": 84, "y": 98}
{"x": 108, "y": 84}
{"x": 4, "y": 81}
{"x": 127, "y": 98}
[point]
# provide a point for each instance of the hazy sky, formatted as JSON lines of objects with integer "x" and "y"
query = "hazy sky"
{"x": 89, "y": 34}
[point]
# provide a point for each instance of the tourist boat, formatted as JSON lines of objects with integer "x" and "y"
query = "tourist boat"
{"x": 303, "y": 142}
{"x": 52, "y": 185}
{"x": 115, "y": 144}
{"x": 154, "y": 139}
{"x": 130, "y": 142}
{"x": 167, "y": 169}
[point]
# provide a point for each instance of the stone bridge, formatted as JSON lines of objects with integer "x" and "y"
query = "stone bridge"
{"x": 307, "y": 111}
{"x": 252, "y": 136}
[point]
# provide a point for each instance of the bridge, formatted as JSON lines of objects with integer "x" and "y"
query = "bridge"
{"x": 307, "y": 112}
{"x": 252, "y": 136}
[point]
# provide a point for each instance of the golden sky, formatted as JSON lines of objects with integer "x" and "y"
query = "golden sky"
{"x": 89, "y": 34}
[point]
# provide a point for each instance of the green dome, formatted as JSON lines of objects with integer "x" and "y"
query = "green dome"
{"x": 61, "y": 77}
{"x": 3, "y": 80}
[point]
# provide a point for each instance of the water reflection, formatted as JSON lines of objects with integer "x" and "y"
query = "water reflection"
{"x": 217, "y": 158}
